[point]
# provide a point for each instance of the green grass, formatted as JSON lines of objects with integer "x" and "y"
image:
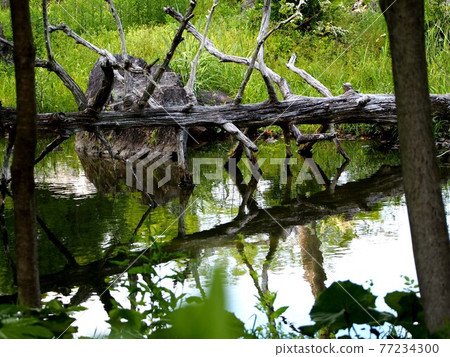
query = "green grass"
{"x": 360, "y": 56}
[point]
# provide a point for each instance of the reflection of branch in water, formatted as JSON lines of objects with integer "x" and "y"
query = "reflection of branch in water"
{"x": 288, "y": 188}
{"x": 312, "y": 258}
{"x": 143, "y": 218}
{"x": 273, "y": 246}
{"x": 4, "y": 193}
{"x": 346, "y": 200}
{"x": 185, "y": 194}
{"x": 245, "y": 190}
{"x": 50, "y": 147}
{"x": 193, "y": 267}
{"x": 332, "y": 185}
{"x": 55, "y": 241}
{"x": 263, "y": 289}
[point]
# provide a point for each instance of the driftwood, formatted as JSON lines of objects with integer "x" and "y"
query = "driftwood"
{"x": 379, "y": 109}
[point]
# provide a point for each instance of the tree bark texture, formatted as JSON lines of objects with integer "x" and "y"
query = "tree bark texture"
{"x": 380, "y": 109}
{"x": 22, "y": 170}
{"x": 426, "y": 212}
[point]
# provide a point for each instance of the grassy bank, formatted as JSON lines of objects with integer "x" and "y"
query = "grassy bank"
{"x": 343, "y": 47}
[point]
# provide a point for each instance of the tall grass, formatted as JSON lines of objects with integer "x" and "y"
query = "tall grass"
{"x": 360, "y": 56}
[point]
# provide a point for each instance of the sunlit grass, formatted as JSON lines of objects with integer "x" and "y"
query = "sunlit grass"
{"x": 360, "y": 57}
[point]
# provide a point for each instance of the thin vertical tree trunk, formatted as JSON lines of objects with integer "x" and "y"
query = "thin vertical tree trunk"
{"x": 22, "y": 171}
{"x": 405, "y": 19}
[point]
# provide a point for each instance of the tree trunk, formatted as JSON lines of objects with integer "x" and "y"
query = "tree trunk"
{"x": 22, "y": 171}
{"x": 426, "y": 212}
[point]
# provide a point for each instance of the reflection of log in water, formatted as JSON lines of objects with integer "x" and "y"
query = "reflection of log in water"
{"x": 346, "y": 200}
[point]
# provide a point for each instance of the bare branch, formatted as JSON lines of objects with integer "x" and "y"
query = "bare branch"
{"x": 176, "y": 41}
{"x": 317, "y": 85}
{"x": 264, "y": 34}
{"x": 190, "y": 83}
{"x": 50, "y": 147}
{"x": 55, "y": 67}
{"x": 123, "y": 45}
{"x": 119, "y": 27}
{"x": 259, "y": 47}
{"x": 261, "y": 38}
{"x": 282, "y": 84}
{"x": 291, "y": 18}
{"x": 6, "y": 42}
{"x": 244, "y": 140}
{"x": 48, "y": 46}
{"x": 313, "y": 82}
{"x": 80, "y": 40}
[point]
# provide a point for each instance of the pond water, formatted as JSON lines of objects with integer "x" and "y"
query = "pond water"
{"x": 289, "y": 234}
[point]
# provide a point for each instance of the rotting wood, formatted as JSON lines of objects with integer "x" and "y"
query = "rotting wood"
{"x": 351, "y": 107}
{"x": 303, "y": 110}
{"x": 102, "y": 95}
{"x": 269, "y": 75}
{"x": 244, "y": 140}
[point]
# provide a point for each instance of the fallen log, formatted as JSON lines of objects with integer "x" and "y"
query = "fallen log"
{"x": 376, "y": 109}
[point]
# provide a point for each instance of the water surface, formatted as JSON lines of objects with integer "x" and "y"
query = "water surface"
{"x": 296, "y": 235}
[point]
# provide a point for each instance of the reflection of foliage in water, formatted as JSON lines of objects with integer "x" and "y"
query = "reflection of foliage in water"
{"x": 90, "y": 226}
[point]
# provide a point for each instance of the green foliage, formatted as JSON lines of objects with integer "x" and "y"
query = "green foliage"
{"x": 341, "y": 306}
{"x": 52, "y": 321}
{"x": 126, "y": 323}
{"x": 337, "y": 47}
{"x": 204, "y": 319}
{"x": 409, "y": 312}
{"x": 344, "y": 305}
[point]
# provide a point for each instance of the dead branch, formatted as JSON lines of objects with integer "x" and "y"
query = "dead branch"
{"x": 123, "y": 44}
{"x": 55, "y": 67}
{"x": 6, "y": 42}
{"x": 119, "y": 27}
{"x": 283, "y": 85}
{"x": 190, "y": 83}
{"x": 259, "y": 53}
{"x": 176, "y": 41}
{"x": 380, "y": 109}
{"x": 317, "y": 85}
{"x": 313, "y": 82}
{"x": 241, "y": 137}
{"x": 81, "y": 41}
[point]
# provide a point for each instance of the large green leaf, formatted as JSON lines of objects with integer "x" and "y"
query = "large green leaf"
{"x": 342, "y": 305}
{"x": 409, "y": 312}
